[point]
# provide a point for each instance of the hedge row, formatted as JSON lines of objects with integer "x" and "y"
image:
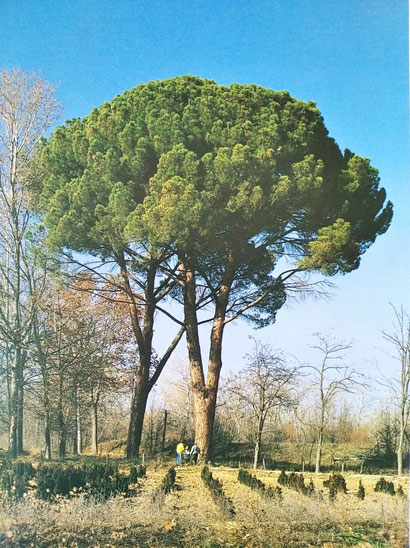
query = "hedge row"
{"x": 215, "y": 486}
{"x": 166, "y": 486}
{"x": 296, "y": 482}
{"x": 254, "y": 483}
{"x": 54, "y": 480}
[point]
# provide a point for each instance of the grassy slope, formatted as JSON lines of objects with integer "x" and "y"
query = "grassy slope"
{"x": 189, "y": 517}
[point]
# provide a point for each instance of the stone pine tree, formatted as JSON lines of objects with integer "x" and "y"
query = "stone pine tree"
{"x": 232, "y": 192}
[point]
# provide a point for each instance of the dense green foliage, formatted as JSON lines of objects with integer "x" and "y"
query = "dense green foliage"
{"x": 136, "y": 472}
{"x": 336, "y": 484}
{"x": 216, "y": 489}
{"x": 15, "y": 476}
{"x": 296, "y": 482}
{"x": 97, "y": 480}
{"x": 254, "y": 483}
{"x": 209, "y": 171}
{"x": 384, "y": 486}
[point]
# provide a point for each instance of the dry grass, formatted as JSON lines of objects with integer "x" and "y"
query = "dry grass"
{"x": 188, "y": 516}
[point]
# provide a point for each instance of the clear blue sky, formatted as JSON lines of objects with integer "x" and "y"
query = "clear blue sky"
{"x": 351, "y": 57}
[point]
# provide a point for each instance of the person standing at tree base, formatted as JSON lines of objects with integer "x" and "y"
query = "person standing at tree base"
{"x": 195, "y": 453}
{"x": 180, "y": 449}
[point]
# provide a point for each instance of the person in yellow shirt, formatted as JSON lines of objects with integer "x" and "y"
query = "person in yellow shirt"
{"x": 180, "y": 449}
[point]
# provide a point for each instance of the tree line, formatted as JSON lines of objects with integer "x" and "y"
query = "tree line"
{"x": 222, "y": 201}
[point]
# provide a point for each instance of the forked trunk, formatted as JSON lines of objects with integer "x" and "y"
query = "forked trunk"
{"x": 204, "y": 416}
{"x": 204, "y": 393}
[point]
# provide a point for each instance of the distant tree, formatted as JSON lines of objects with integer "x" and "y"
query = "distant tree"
{"x": 400, "y": 384}
{"x": 28, "y": 107}
{"x": 230, "y": 193}
{"x": 264, "y": 385}
{"x": 330, "y": 378}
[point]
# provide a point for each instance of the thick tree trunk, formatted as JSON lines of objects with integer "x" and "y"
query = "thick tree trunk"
{"x": 204, "y": 393}
{"x": 138, "y": 406}
{"x": 204, "y": 416}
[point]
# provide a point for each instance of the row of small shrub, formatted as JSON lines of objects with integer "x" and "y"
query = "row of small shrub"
{"x": 137, "y": 472}
{"x": 95, "y": 479}
{"x": 215, "y": 486}
{"x": 384, "y": 486}
{"x": 98, "y": 480}
{"x": 254, "y": 483}
{"x": 296, "y": 482}
{"x": 168, "y": 481}
{"x": 166, "y": 486}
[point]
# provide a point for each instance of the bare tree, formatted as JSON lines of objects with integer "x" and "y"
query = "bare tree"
{"x": 330, "y": 378}
{"x": 400, "y": 385}
{"x": 263, "y": 386}
{"x": 27, "y": 108}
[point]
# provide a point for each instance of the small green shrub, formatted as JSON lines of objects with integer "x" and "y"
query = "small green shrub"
{"x": 283, "y": 478}
{"x": 360, "y": 491}
{"x": 309, "y": 489}
{"x": 400, "y": 492}
{"x": 336, "y": 484}
{"x": 383, "y": 486}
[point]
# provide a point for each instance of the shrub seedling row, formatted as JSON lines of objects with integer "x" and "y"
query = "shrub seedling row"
{"x": 216, "y": 489}
{"x": 254, "y": 483}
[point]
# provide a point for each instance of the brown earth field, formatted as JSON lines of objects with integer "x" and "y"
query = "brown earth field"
{"x": 188, "y": 516}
